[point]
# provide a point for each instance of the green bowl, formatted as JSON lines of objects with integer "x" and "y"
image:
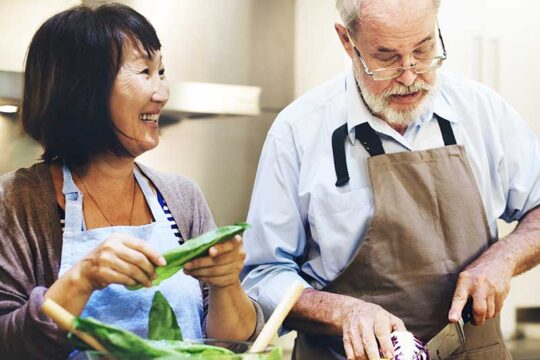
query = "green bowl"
{"x": 239, "y": 348}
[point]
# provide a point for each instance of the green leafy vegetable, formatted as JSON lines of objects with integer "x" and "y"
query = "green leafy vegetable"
{"x": 162, "y": 324}
{"x": 191, "y": 249}
{"x": 126, "y": 345}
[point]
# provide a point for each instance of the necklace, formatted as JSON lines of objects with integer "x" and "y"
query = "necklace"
{"x": 99, "y": 207}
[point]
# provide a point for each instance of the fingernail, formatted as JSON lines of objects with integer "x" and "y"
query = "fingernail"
{"x": 454, "y": 317}
{"x": 213, "y": 251}
{"x": 162, "y": 261}
{"x": 187, "y": 265}
{"x": 388, "y": 355}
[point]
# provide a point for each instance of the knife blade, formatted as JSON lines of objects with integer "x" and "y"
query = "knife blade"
{"x": 451, "y": 337}
{"x": 447, "y": 341}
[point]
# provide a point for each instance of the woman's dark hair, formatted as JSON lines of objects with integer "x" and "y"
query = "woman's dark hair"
{"x": 71, "y": 66}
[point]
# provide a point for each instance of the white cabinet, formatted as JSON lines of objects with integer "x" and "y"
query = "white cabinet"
{"x": 496, "y": 42}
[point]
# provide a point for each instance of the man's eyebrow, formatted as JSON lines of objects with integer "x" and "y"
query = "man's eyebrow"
{"x": 389, "y": 50}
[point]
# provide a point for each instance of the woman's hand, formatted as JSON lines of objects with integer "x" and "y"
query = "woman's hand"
{"x": 231, "y": 313}
{"x": 221, "y": 268}
{"x": 120, "y": 259}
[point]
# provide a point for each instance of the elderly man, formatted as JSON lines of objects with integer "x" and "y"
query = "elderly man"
{"x": 381, "y": 189}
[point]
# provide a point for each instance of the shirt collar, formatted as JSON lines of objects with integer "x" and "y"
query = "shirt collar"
{"x": 357, "y": 112}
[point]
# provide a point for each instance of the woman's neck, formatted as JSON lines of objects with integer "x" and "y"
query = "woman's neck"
{"x": 108, "y": 172}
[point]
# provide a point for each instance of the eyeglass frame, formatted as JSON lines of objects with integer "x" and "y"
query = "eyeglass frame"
{"x": 441, "y": 58}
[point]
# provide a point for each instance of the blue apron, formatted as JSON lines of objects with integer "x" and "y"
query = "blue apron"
{"x": 115, "y": 304}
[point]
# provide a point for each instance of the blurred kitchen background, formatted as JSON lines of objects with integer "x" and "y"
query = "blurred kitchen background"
{"x": 233, "y": 64}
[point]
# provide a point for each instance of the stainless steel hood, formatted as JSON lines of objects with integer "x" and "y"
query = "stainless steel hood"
{"x": 10, "y": 87}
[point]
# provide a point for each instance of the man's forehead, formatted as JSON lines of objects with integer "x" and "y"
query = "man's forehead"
{"x": 396, "y": 14}
{"x": 396, "y": 27}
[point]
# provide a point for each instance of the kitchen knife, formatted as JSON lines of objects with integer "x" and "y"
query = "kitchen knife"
{"x": 451, "y": 337}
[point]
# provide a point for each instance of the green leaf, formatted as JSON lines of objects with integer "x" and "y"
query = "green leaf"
{"x": 191, "y": 249}
{"x": 162, "y": 324}
{"x": 126, "y": 345}
{"x": 118, "y": 342}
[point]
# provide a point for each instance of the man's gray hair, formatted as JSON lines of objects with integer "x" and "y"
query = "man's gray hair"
{"x": 349, "y": 10}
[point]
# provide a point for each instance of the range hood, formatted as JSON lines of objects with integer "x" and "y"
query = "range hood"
{"x": 10, "y": 87}
{"x": 188, "y": 99}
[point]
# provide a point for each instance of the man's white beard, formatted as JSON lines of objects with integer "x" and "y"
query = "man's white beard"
{"x": 379, "y": 105}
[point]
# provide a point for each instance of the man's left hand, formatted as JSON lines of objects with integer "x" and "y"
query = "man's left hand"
{"x": 487, "y": 282}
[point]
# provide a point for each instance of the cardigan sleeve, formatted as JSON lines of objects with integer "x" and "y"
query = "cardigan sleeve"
{"x": 25, "y": 332}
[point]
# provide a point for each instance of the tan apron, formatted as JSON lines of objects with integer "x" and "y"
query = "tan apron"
{"x": 429, "y": 223}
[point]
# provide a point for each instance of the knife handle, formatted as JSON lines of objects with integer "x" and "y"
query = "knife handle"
{"x": 467, "y": 312}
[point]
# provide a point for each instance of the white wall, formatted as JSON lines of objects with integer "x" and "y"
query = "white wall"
{"x": 318, "y": 52}
{"x": 20, "y": 20}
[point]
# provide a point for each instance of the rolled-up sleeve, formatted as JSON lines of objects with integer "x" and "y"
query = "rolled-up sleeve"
{"x": 276, "y": 239}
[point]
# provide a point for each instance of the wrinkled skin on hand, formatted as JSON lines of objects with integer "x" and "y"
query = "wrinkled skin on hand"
{"x": 365, "y": 325}
{"x": 487, "y": 282}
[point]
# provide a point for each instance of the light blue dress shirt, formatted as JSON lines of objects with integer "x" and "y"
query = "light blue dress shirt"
{"x": 296, "y": 206}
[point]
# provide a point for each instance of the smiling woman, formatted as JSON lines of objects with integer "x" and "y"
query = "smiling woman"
{"x": 88, "y": 220}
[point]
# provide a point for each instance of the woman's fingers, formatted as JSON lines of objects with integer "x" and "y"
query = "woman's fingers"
{"x": 145, "y": 249}
{"x": 226, "y": 246}
{"x": 227, "y": 252}
{"x": 232, "y": 268}
{"x": 136, "y": 258}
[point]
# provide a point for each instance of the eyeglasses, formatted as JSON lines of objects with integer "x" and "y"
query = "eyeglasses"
{"x": 420, "y": 67}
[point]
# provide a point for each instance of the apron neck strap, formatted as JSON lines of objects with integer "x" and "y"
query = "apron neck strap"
{"x": 338, "y": 150}
{"x": 446, "y": 131}
{"x": 371, "y": 141}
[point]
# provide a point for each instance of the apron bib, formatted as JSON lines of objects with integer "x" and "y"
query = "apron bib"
{"x": 115, "y": 304}
{"x": 429, "y": 224}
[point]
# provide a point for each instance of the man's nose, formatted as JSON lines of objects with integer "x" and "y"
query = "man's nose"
{"x": 408, "y": 77}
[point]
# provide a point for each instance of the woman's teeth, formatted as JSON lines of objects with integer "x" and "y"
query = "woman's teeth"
{"x": 149, "y": 117}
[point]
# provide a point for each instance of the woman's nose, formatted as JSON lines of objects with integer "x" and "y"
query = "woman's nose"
{"x": 161, "y": 92}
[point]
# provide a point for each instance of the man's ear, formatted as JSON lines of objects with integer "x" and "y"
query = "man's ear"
{"x": 343, "y": 35}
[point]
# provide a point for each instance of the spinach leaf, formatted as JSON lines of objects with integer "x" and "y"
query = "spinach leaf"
{"x": 191, "y": 249}
{"x": 162, "y": 324}
{"x": 126, "y": 345}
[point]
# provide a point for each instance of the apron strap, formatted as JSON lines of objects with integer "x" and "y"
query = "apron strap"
{"x": 151, "y": 198}
{"x": 371, "y": 141}
{"x": 446, "y": 131}
{"x": 365, "y": 134}
{"x": 338, "y": 149}
{"x": 73, "y": 210}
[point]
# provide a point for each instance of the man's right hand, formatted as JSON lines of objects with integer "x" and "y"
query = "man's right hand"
{"x": 365, "y": 327}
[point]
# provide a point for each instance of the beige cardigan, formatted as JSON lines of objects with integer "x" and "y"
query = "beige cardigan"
{"x": 30, "y": 252}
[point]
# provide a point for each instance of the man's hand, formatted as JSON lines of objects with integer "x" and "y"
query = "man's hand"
{"x": 365, "y": 327}
{"x": 487, "y": 282}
